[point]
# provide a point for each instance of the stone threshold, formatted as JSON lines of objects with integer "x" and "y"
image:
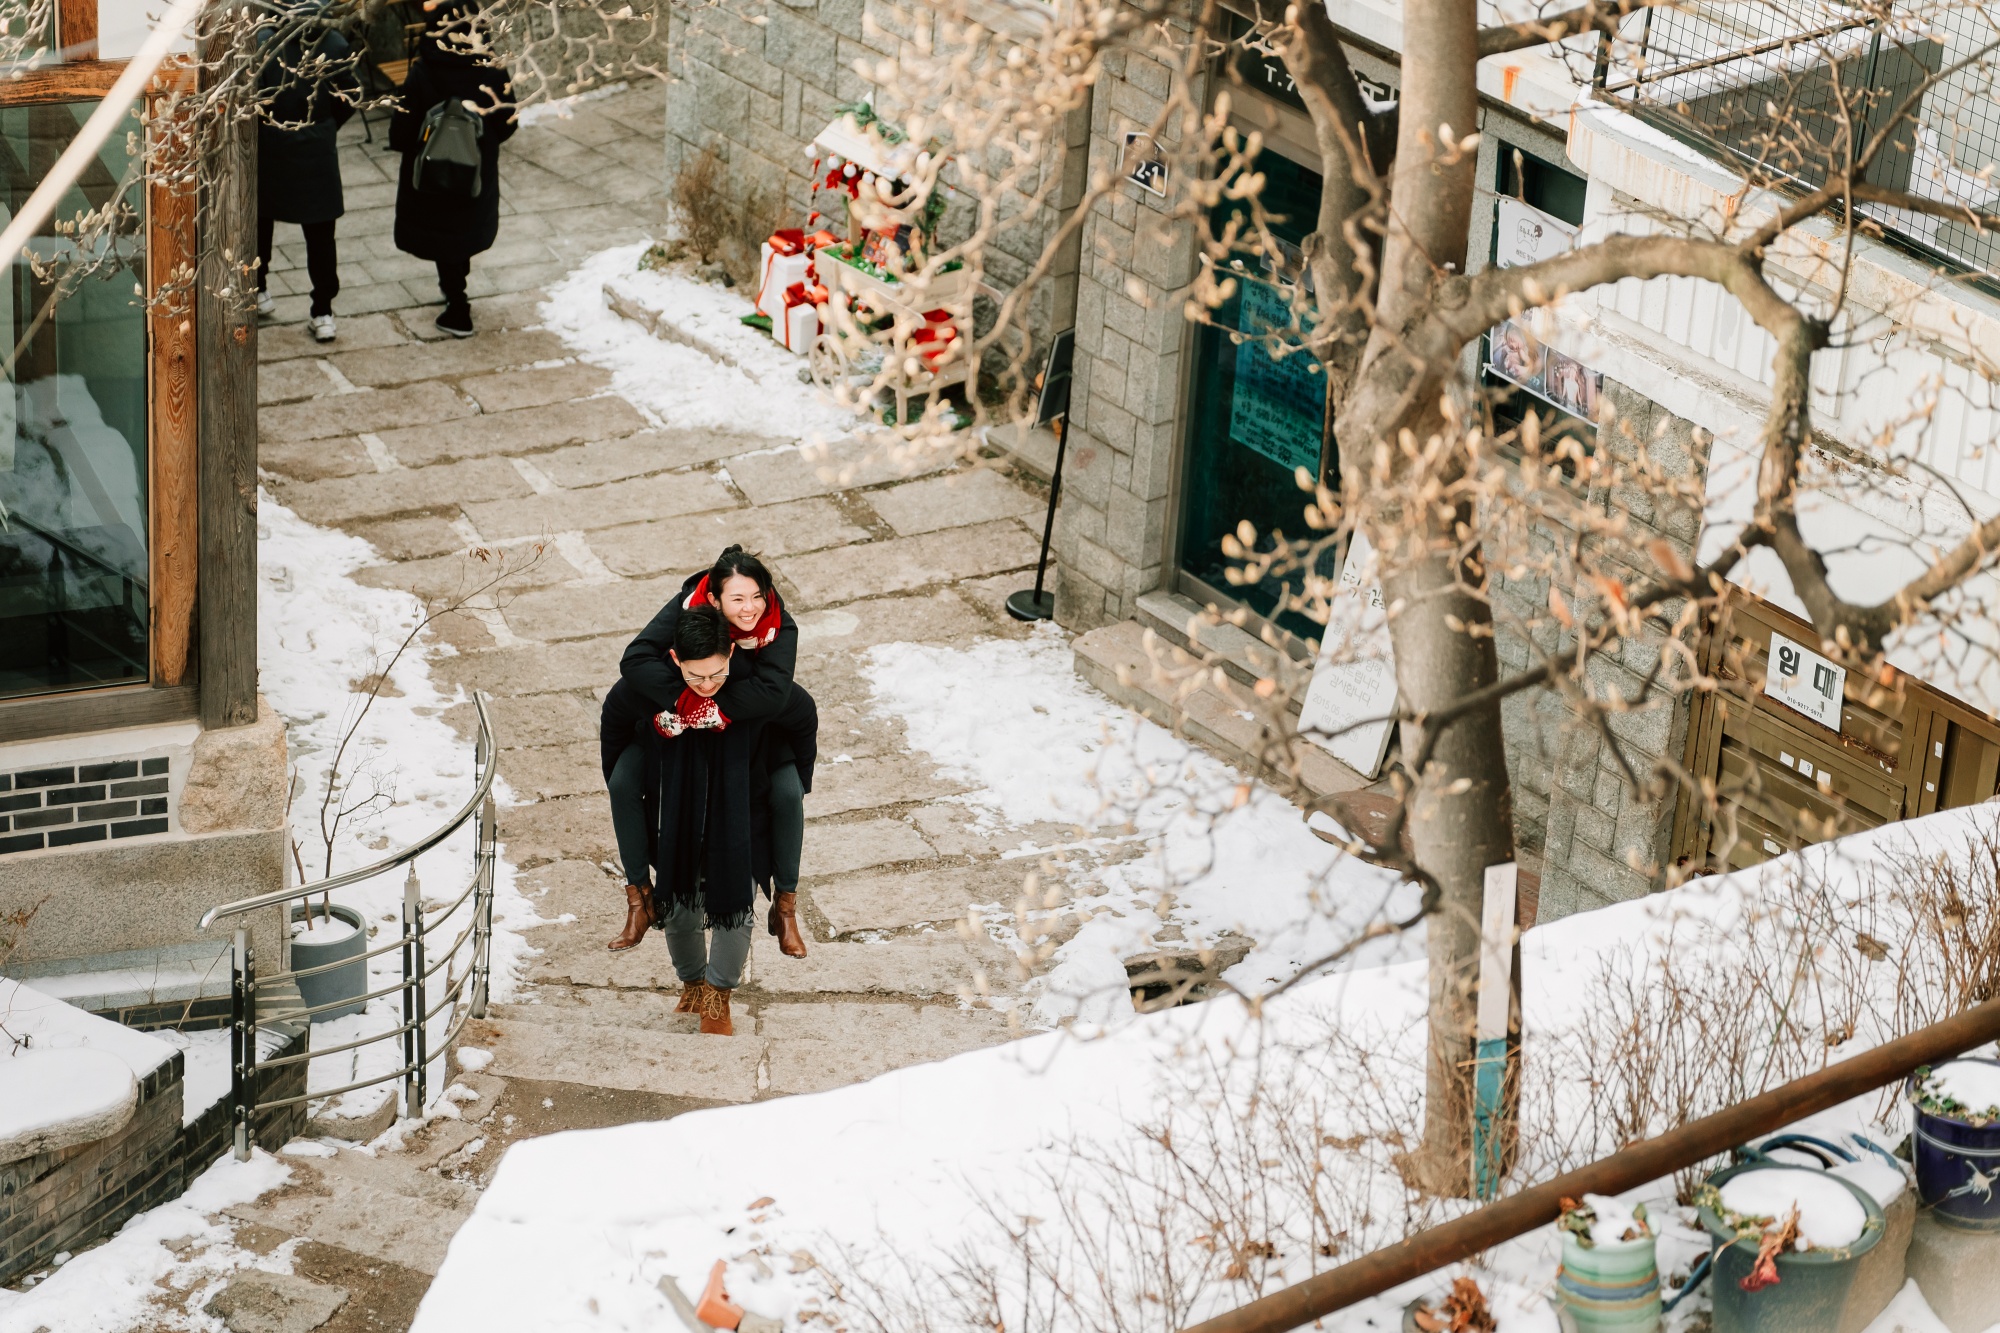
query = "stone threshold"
{"x": 1114, "y": 659}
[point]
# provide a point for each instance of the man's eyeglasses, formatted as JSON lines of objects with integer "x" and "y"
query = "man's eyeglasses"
{"x": 711, "y": 678}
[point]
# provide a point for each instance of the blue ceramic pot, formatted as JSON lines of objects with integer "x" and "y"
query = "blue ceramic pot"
{"x": 1958, "y": 1166}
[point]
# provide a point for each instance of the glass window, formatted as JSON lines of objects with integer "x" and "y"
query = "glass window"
{"x": 1256, "y": 418}
{"x": 73, "y": 506}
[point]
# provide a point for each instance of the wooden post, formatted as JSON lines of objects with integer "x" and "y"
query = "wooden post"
{"x": 76, "y": 29}
{"x": 1496, "y": 1035}
{"x": 170, "y": 249}
{"x": 226, "y": 376}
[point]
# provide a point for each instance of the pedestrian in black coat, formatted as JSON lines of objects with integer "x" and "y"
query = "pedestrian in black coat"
{"x": 308, "y": 87}
{"x": 454, "y": 59}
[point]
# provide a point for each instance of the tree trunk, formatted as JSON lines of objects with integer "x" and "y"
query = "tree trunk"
{"x": 1461, "y": 822}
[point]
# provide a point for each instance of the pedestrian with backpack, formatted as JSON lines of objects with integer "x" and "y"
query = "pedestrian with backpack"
{"x": 455, "y": 110}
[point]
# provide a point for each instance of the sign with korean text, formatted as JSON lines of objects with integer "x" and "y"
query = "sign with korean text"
{"x": 1353, "y": 686}
{"x": 1805, "y": 682}
{"x": 1277, "y": 407}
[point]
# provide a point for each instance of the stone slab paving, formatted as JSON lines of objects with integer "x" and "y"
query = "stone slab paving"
{"x": 428, "y": 447}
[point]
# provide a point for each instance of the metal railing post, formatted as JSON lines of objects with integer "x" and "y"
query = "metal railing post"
{"x": 482, "y": 907}
{"x": 242, "y": 1040}
{"x": 412, "y": 1103}
{"x": 413, "y": 998}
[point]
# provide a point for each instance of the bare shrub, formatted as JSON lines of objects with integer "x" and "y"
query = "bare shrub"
{"x": 702, "y": 204}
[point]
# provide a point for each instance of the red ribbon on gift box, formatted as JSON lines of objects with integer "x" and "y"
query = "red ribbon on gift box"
{"x": 801, "y": 294}
{"x": 788, "y": 241}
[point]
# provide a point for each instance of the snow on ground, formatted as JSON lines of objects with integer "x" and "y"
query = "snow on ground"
{"x": 564, "y": 108}
{"x": 760, "y": 394}
{"x": 912, "y": 1187}
{"x": 1010, "y": 719}
{"x": 320, "y": 635}
{"x": 117, "y": 1286}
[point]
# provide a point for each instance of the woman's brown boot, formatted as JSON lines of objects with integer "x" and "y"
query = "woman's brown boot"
{"x": 715, "y": 1011}
{"x": 638, "y": 917}
{"x": 691, "y": 993}
{"x": 784, "y": 923}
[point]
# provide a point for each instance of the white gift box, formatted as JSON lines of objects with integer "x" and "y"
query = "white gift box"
{"x": 801, "y": 328}
{"x": 779, "y": 272}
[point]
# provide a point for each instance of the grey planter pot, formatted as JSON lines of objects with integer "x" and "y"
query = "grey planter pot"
{"x": 336, "y": 983}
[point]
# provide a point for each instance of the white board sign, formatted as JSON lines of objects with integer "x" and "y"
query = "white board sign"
{"x": 1805, "y": 682}
{"x": 1355, "y": 676}
{"x": 1496, "y": 950}
{"x": 1527, "y": 235}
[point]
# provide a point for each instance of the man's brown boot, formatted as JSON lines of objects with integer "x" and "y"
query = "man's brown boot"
{"x": 715, "y": 1011}
{"x": 691, "y": 993}
{"x": 784, "y": 923}
{"x": 638, "y": 918}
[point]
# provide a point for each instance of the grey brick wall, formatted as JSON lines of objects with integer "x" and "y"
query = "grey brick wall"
{"x": 1599, "y": 841}
{"x": 1111, "y": 532}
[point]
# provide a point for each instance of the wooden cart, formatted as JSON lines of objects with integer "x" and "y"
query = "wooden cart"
{"x": 855, "y": 350}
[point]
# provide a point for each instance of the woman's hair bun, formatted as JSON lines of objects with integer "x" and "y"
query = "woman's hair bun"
{"x": 733, "y": 548}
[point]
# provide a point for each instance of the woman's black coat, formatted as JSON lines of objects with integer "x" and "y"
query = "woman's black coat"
{"x": 313, "y": 88}
{"x": 432, "y": 226}
{"x": 760, "y": 689}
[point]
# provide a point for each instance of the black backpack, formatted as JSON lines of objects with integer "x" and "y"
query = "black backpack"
{"x": 448, "y": 163}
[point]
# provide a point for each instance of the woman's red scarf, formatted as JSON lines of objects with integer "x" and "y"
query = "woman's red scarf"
{"x": 761, "y": 634}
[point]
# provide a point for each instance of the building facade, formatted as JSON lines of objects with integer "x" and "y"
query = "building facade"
{"x": 141, "y": 781}
{"x": 1177, "y": 433}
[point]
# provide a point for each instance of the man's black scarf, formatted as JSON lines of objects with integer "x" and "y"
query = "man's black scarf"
{"x": 711, "y": 843}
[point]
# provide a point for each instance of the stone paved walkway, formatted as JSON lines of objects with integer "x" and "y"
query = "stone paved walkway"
{"x": 426, "y": 447}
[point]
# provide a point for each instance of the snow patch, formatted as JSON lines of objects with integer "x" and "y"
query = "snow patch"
{"x": 181, "y": 1245}
{"x": 1220, "y": 854}
{"x": 320, "y": 633}
{"x": 760, "y": 394}
{"x": 1974, "y": 1084}
{"x": 1830, "y": 1217}
{"x": 61, "y": 1097}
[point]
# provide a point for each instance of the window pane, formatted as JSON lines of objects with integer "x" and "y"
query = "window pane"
{"x": 73, "y": 570}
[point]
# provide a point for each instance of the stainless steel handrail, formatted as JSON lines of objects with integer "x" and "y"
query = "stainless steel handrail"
{"x": 408, "y": 854}
{"x": 421, "y": 1003}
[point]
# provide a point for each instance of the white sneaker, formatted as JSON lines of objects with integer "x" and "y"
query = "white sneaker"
{"x": 267, "y": 305}
{"x": 322, "y": 327}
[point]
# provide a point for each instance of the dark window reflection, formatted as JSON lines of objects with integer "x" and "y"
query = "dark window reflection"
{"x": 1256, "y": 418}
{"x": 73, "y": 570}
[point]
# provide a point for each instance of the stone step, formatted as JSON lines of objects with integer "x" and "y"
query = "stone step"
{"x": 1114, "y": 658}
{"x": 380, "y": 1206}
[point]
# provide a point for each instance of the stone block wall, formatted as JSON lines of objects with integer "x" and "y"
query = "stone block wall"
{"x": 176, "y": 823}
{"x": 1111, "y": 538}
{"x": 1598, "y": 840}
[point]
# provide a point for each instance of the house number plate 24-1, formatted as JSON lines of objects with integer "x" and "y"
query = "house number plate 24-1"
{"x": 1805, "y": 682}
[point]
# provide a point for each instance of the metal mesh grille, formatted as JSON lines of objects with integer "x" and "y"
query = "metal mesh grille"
{"x": 1791, "y": 90}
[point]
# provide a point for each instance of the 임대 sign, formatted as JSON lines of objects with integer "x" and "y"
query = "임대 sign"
{"x": 1805, "y": 682}
{"x": 1353, "y": 686}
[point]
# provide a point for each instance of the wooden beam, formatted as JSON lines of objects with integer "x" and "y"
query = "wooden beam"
{"x": 74, "y": 82}
{"x": 76, "y": 29}
{"x": 95, "y": 710}
{"x": 226, "y": 413}
{"x": 171, "y": 390}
